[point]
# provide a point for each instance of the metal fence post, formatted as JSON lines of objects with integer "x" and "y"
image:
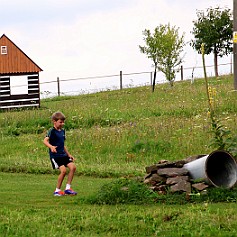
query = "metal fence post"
{"x": 121, "y": 80}
{"x": 151, "y": 78}
{"x": 58, "y": 86}
{"x": 182, "y": 72}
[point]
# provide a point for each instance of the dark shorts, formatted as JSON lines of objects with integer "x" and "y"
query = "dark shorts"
{"x": 59, "y": 161}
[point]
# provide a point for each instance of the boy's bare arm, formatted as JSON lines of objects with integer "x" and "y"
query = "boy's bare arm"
{"x": 46, "y": 143}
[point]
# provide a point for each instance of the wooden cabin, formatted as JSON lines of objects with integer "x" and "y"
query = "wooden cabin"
{"x": 19, "y": 77}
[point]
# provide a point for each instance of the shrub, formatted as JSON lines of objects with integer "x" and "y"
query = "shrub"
{"x": 123, "y": 191}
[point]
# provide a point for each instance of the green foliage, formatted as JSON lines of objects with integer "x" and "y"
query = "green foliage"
{"x": 222, "y": 138}
{"x": 164, "y": 47}
{"x": 124, "y": 191}
{"x": 130, "y": 191}
{"x": 218, "y": 195}
{"x": 213, "y": 195}
{"x": 213, "y": 29}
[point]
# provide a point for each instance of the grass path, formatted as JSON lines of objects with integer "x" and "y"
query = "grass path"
{"x": 37, "y": 190}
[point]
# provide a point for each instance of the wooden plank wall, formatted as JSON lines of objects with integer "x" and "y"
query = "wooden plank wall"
{"x": 15, "y": 61}
{"x": 8, "y": 101}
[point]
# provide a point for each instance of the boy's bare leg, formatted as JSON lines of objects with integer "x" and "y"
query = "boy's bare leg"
{"x": 61, "y": 176}
{"x": 72, "y": 169}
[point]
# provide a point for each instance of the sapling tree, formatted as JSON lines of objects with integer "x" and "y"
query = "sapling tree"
{"x": 164, "y": 47}
{"x": 214, "y": 29}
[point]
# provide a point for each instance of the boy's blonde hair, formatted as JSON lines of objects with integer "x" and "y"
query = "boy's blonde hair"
{"x": 58, "y": 115}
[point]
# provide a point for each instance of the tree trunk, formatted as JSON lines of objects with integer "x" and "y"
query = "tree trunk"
{"x": 154, "y": 80}
{"x": 216, "y": 63}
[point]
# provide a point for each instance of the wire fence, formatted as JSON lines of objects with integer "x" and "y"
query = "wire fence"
{"x": 92, "y": 84}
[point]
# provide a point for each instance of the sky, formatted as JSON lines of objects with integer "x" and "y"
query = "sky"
{"x": 87, "y": 38}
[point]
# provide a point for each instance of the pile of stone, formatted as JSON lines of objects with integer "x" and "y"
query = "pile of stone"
{"x": 172, "y": 176}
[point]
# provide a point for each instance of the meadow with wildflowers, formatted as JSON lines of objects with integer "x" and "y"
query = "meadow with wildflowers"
{"x": 119, "y": 133}
{"x": 114, "y": 135}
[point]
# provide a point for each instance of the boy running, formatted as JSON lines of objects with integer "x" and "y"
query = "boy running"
{"x": 59, "y": 155}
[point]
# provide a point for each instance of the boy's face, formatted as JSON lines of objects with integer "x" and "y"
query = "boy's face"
{"x": 58, "y": 124}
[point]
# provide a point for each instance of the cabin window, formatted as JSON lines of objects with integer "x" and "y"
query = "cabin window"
{"x": 3, "y": 49}
{"x": 19, "y": 85}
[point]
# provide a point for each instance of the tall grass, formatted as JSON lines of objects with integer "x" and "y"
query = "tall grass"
{"x": 118, "y": 133}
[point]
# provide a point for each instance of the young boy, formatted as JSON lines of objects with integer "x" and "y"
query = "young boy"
{"x": 59, "y": 155}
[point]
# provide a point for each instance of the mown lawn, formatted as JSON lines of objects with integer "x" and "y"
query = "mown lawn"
{"x": 28, "y": 208}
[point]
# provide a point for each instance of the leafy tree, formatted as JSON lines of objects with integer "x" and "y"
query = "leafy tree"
{"x": 213, "y": 28}
{"x": 163, "y": 47}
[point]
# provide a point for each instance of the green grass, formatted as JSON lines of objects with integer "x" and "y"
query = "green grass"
{"x": 29, "y": 209}
{"x": 118, "y": 133}
{"x": 114, "y": 135}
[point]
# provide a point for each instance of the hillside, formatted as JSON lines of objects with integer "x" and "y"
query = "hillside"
{"x": 118, "y": 133}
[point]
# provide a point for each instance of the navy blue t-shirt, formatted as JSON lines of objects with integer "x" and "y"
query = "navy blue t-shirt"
{"x": 57, "y": 138}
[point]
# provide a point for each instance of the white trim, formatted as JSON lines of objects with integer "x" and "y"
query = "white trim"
{"x": 33, "y": 75}
{"x": 5, "y": 91}
{"x": 33, "y": 93}
{"x": 22, "y": 100}
{"x": 33, "y": 89}
{"x": 4, "y": 86}
{"x": 32, "y": 79}
{"x": 4, "y": 49}
{"x": 18, "y": 106}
